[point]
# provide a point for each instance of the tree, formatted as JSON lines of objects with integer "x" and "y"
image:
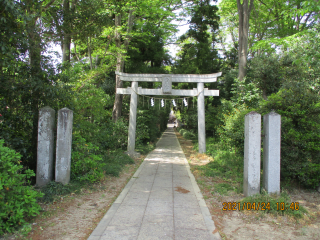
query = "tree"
{"x": 244, "y": 10}
{"x": 198, "y": 53}
{"x": 116, "y": 113}
{"x": 159, "y": 11}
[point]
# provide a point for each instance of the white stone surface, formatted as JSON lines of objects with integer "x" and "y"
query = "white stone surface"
{"x": 252, "y": 154}
{"x": 174, "y": 92}
{"x": 167, "y": 84}
{"x": 133, "y": 119}
{"x": 45, "y": 146}
{"x": 64, "y": 144}
{"x": 271, "y": 152}
{"x": 201, "y": 119}
{"x": 175, "y": 77}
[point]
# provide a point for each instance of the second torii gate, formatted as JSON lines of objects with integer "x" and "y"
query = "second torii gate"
{"x": 166, "y": 89}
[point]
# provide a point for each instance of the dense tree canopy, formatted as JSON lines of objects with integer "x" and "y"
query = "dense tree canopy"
{"x": 268, "y": 51}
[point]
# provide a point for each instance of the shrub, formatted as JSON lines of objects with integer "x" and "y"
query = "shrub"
{"x": 17, "y": 197}
{"x": 231, "y": 130}
{"x": 299, "y": 108}
{"x": 150, "y": 124}
{"x": 86, "y": 163}
{"x": 188, "y": 135}
{"x": 115, "y": 161}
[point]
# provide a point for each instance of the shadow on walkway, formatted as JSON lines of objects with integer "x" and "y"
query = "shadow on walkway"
{"x": 161, "y": 201}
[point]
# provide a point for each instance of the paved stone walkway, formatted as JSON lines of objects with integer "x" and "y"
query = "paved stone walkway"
{"x": 161, "y": 201}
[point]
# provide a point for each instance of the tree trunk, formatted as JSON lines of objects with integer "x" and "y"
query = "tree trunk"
{"x": 117, "y": 107}
{"x": 244, "y": 15}
{"x": 89, "y": 51}
{"x": 34, "y": 49}
{"x": 264, "y": 94}
{"x": 97, "y": 61}
{"x": 66, "y": 32}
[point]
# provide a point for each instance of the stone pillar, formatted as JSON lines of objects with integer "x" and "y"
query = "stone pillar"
{"x": 201, "y": 119}
{"x": 133, "y": 120}
{"x": 271, "y": 152}
{"x": 64, "y": 144}
{"x": 45, "y": 146}
{"x": 252, "y": 154}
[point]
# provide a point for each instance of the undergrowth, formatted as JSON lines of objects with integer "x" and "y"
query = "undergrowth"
{"x": 114, "y": 162}
{"x": 226, "y": 171}
{"x": 270, "y": 203}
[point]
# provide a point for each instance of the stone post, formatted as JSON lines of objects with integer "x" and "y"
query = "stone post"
{"x": 252, "y": 154}
{"x": 45, "y": 146}
{"x": 201, "y": 119}
{"x": 271, "y": 152}
{"x": 64, "y": 144}
{"x": 133, "y": 120}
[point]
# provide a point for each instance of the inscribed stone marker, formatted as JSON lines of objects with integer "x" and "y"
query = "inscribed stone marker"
{"x": 45, "y": 146}
{"x": 252, "y": 154}
{"x": 64, "y": 143}
{"x": 271, "y": 152}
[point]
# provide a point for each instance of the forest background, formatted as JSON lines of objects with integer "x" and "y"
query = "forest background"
{"x": 270, "y": 63}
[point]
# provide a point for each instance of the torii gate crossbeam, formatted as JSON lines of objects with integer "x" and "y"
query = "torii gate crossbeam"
{"x": 166, "y": 89}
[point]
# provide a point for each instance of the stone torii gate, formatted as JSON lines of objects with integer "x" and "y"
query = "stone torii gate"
{"x": 166, "y": 89}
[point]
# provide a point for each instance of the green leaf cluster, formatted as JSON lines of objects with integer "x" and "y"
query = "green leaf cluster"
{"x": 18, "y": 200}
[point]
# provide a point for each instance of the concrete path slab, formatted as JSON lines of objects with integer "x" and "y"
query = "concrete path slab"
{"x": 161, "y": 201}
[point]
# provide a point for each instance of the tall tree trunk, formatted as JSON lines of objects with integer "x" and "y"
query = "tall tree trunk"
{"x": 117, "y": 107}
{"x": 89, "y": 51}
{"x": 34, "y": 49}
{"x": 66, "y": 32}
{"x": 244, "y": 15}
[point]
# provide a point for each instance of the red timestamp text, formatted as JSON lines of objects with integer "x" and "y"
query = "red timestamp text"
{"x": 262, "y": 206}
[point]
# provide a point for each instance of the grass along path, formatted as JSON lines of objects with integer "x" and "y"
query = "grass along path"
{"x": 222, "y": 184}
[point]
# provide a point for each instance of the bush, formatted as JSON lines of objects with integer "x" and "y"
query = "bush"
{"x": 299, "y": 108}
{"x": 86, "y": 163}
{"x": 115, "y": 161}
{"x": 17, "y": 197}
{"x": 231, "y": 130}
{"x": 150, "y": 124}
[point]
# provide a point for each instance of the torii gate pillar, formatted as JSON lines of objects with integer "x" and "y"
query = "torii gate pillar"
{"x": 201, "y": 119}
{"x": 133, "y": 120}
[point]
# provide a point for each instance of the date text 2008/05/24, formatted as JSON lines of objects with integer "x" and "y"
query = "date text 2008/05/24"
{"x": 263, "y": 206}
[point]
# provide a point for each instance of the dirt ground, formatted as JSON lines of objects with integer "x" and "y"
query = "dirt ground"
{"x": 76, "y": 216}
{"x": 253, "y": 224}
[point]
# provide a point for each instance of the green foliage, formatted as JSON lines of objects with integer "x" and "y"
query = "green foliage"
{"x": 115, "y": 161}
{"x": 86, "y": 164}
{"x": 300, "y": 118}
{"x": 198, "y": 54}
{"x": 151, "y": 123}
{"x": 223, "y": 188}
{"x": 147, "y": 54}
{"x": 275, "y": 203}
{"x": 53, "y": 190}
{"x": 230, "y": 131}
{"x": 187, "y": 134}
{"x": 226, "y": 163}
{"x": 17, "y": 197}
{"x": 245, "y": 93}
{"x": 265, "y": 73}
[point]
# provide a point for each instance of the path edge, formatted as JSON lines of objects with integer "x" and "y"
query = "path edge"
{"x": 213, "y": 231}
{"x": 101, "y": 227}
